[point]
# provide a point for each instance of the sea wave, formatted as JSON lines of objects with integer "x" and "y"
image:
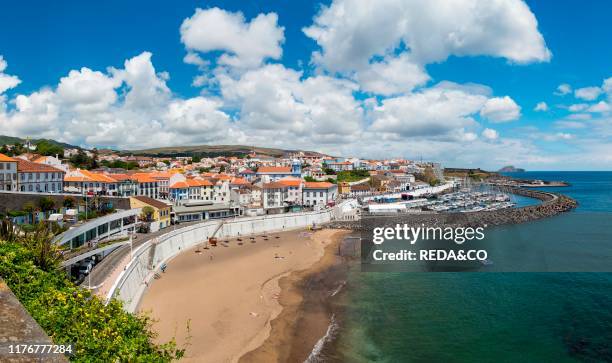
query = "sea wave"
{"x": 315, "y": 354}
{"x": 337, "y": 290}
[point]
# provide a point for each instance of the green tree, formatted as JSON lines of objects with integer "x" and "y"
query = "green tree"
{"x": 196, "y": 158}
{"x": 69, "y": 202}
{"x": 47, "y": 148}
{"x": 46, "y": 204}
{"x": 309, "y": 179}
{"x": 147, "y": 213}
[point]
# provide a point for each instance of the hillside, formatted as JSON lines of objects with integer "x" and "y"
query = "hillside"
{"x": 10, "y": 140}
{"x": 213, "y": 150}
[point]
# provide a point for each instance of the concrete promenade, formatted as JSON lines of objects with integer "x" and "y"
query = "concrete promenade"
{"x": 146, "y": 259}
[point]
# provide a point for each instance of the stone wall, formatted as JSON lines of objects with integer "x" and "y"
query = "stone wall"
{"x": 18, "y": 327}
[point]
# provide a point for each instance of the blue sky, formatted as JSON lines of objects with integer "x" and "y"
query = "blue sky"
{"x": 328, "y": 103}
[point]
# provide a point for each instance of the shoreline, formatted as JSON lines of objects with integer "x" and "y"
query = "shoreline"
{"x": 306, "y": 318}
{"x": 222, "y": 302}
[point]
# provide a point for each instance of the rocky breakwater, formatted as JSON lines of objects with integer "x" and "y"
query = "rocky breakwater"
{"x": 551, "y": 205}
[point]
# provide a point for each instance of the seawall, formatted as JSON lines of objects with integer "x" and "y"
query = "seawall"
{"x": 133, "y": 281}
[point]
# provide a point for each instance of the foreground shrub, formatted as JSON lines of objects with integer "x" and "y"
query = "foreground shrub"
{"x": 72, "y": 315}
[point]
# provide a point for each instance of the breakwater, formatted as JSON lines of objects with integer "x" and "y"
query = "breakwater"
{"x": 552, "y": 204}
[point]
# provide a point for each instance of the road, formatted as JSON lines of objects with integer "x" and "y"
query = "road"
{"x": 112, "y": 261}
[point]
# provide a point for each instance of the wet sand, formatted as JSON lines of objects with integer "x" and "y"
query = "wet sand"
{"x": 221, "y": 301}
{"x": 307, "y": 298}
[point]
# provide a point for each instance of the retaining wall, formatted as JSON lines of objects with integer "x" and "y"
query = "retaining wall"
{"x": 133, "y": 281}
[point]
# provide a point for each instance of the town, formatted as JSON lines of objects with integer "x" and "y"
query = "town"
{"x": 100, "y": 199}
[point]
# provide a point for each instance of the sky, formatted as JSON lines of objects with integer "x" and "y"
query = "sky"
{"x": 469, "y": 83}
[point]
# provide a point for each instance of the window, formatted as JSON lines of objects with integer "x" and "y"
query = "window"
{"x": 30, "y": 188}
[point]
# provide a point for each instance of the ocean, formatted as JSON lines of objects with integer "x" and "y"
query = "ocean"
{"x": 492, "y": 317}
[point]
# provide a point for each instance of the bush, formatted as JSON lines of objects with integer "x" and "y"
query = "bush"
{"x": 72, "y": 315}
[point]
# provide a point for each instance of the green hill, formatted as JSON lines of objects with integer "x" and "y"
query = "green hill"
{"x": 10, "y": 140}
{"x": 214, "y": 150}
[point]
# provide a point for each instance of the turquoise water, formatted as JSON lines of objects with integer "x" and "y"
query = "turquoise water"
{"x": 493, "y": 317}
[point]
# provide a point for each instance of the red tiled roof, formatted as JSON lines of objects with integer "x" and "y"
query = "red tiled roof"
{"x": 6, "y": 158}
{"x": 30, "y": 167}
{"x": 318, "y": 185}
{"x": 274, "y": 169}
{"x": 290, "y": 181}
{"x": 274, "y": 185}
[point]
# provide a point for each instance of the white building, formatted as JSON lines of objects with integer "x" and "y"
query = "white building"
{"x": 319, "y": 193}
{"x": 274, "y": 195}
{"x": 39, "y": 178}
{"x": 8, "y": 173}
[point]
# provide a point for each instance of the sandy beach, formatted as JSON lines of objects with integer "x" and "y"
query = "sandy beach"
{"x": 225, "y": 301}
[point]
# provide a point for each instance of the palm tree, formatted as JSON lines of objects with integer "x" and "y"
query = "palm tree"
{"x": 29, "y": 208}
{"x": 45, "y": 251}
{"x": 7, "y": 230}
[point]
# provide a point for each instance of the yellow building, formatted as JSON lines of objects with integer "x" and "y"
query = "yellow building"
{"x": 161, "y": 211}
{"x": 344, "y": 188}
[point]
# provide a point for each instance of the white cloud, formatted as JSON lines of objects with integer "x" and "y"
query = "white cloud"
{"x": 393, "y": 75}
{"x": 564, "y": 124}
{"x": 490, "y": 134}
{"x": 600, "y": 107}
{"x": 501, "y": 109}
{"x": 244, "y": 44}
{"x": 541, "y": 107}
{"x": 86, "y": 90}
{"x": 6, "y": 81}
{"x": 275, "y": 100}
{"x": 563, "y": 89}
{"x": 351, "y": 32}
{"x": 607, "y": 86}
{"x": 440, "y": 111}
{"x": 558, "y": 136}
{"x": 354, "y": 34}
{"x": 579, "y": 116}
{"x": 578, "y": 107}
{"x": 587, "y": 93}
{"x": 87, "y": 109}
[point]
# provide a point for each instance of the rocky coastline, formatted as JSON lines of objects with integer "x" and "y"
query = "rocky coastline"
{"x": 552, "y": 204}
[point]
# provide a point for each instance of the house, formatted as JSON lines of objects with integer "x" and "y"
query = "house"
{"x": 147, "y": 185}
{"x": 8, "y": 173}
{"x": 379, "y": 182}
{"x": 294, "y": 189}
{"x": 52, "y": 161}
{"x": 247, "y": 174}
{"x": 274, "y": 195}
{"x": 344, "y": 188}
{"x": 340, "y": 166}
{"x": 319, "y": 193}
{"x": 362, "y": 189}
{"x": 274, "y": 173}
{"x": 85, "y": 181}
{"x": 161, "y": 211}
{"x": 39, "y": 178}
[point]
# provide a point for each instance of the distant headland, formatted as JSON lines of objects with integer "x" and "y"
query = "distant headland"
{"x": 510, "y": 169}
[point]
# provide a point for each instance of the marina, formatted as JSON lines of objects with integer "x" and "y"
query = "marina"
{"x": 465, "y": 200}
